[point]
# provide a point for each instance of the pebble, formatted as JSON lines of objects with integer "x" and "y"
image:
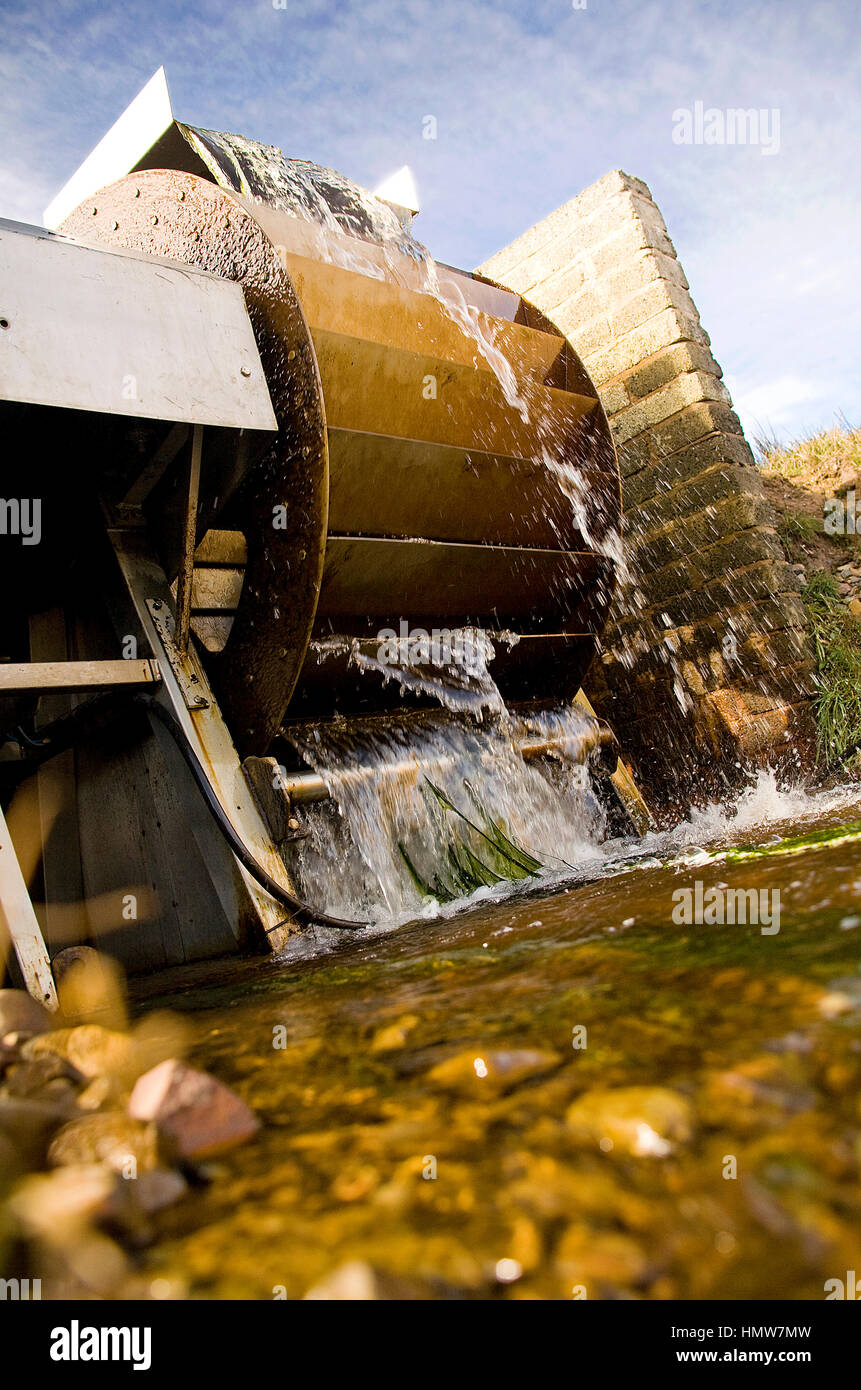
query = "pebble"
{"x": 56, "y": 1206}
{"x": 38, "y": 1078}
{"x": 645, "y": 1121}
{"x": 590, "y": 1257}
{"x": 113, "y": 1138}
{"x": 159, "y": 1188}
{"x": 90, "y": 1048}
{"x": 480, "y": 1071}
{"x": 394, "y": 1035}
{"x": 358, "y": 1281}
{"x": 197, "y": 1114}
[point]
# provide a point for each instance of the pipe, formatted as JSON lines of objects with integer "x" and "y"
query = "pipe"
{"x": 308, "y": 787}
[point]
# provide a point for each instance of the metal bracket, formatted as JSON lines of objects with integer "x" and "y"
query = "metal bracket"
{"x": 191, "y": 682}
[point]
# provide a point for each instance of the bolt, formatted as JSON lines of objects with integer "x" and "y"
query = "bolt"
{"x": 137, "y": 193}
{"x": 246, "y": 371}
{"x": 181, "y": 196}
{"x": 154, "y": 221}
{"x": 292, "y": 824}
{"x": 95, "y": 211}
{"x": 291, "y": 354}
{"x": 114, "y": 226}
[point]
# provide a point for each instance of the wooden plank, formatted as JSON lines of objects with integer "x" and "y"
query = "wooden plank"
{"x": 245, "y": 904}
{"x": 64, "y": 914}
{"x": 148, "y": 889}
{"x": 87, "y": 319}
{"x": 58, "y": 677}
{"x": 216, "y": 589}
{"x": 628, "y": 792}
{"x": 221, "y": 548}
{"x": 22, "y": 926}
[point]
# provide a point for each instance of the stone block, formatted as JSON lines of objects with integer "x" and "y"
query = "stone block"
{"x": 665, "y": 366}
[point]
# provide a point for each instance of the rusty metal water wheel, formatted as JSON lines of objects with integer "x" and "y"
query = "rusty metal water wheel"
{"x": 446, "y": 508}
{"x": 183, "y": 218}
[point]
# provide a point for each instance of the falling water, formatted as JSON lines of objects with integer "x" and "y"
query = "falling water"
{"x": 431, "y": 809}
{"x": 407, "y": 823}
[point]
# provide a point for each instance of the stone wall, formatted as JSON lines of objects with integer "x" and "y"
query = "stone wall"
{"x": 706, "y": 665}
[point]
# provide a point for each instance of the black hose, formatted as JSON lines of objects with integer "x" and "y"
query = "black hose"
{"x": 222, "y": 820}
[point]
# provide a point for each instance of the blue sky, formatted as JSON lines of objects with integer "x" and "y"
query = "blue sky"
{"x": 533, "y": 102}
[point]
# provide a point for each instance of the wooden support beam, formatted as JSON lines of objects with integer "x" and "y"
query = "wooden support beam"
{"x": 16, "y": 913}
{"x": 157, "y": 466}
{"x": 185, "y": 577}
{"x": 64, "y": 916}
{"x": 66, "y": 677}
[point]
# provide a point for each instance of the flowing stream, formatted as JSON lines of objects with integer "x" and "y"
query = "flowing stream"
{"x": 559, "y": 1093}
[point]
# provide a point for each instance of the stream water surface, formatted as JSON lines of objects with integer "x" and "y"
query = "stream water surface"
{"x": 558, "y": 1092}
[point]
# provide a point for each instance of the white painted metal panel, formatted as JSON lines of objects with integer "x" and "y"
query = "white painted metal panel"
{"x": 90, "y": 329}
{"x": 127, "y": 141}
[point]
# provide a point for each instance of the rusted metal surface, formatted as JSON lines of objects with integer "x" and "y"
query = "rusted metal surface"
{"x": 440, "y": 504}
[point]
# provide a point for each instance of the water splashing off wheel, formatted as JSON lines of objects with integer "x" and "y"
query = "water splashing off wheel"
{"x": 327, "y": 489}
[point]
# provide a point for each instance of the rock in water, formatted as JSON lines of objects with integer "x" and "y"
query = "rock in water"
{"x": 126, "y": 1145}
{"x": 197, "y": 1114}
{"x": 642, "y": 1120}
{"x": 91, "y": 1049}
{"x": 491, "y": 1070}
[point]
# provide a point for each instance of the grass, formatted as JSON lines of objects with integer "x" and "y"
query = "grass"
{"x": 466, "y": 871}
{"x": 837, "y": 637}
{"x": 826, "y": 460}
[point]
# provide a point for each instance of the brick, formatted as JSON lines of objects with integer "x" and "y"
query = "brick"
{"x": 626, "y": 240}
{"x": 637, "y": 309}
{"x": 692, "y": 424}
{"x": 665, "y": 366}
{"x": 642, "y": 269}
{"x": 672, "y": 468}
{"x": 614, "y": 397}
{"x": 634, "y": 455}
{"x": 738, "y": 551}
{"x": 590, "y": 336}
{"x": 765, "y": 580}
{"x": 702, "y": 529}
{"x": 560, "y": 221}
{"x": 664, "y": 329}
{"x": 677, "y": 395}
{"x": 724, "y": 480}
